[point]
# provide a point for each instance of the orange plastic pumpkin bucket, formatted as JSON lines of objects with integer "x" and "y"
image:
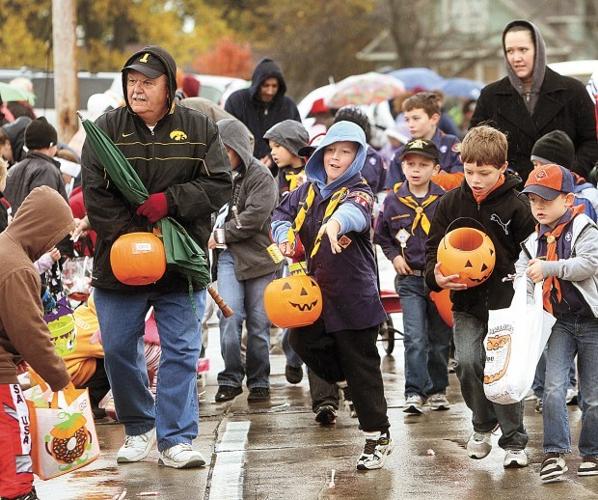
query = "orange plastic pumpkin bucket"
{"x": 138, "y": 259}
{"x": 468, "y": 252}
{"x": 293, "y": 301}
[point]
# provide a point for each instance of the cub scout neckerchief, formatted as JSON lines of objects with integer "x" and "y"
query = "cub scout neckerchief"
{"x": 293, "y": 178}
{"x": 551, "y": 242}
{"x": 420, "y": 216}
{"x": 335, "y": 199}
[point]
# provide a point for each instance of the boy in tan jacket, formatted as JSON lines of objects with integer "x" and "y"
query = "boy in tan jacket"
{"x": 41, "y": 222}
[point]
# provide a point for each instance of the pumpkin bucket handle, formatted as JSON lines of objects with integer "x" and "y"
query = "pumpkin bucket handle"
{"x": 448, "y": 228}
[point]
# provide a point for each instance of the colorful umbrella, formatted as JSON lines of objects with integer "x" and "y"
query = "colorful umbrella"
{"x": 9, "y": 93}
{"x": 462, "y": 87}
{"x": 182, "y": 252}
{"x": 422, "y": 78}
{"x": 368, "y": 88}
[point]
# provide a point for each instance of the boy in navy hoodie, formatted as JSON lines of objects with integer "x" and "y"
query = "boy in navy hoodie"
{"x": 402, "y": 230}
{"x": 331, "y": 213}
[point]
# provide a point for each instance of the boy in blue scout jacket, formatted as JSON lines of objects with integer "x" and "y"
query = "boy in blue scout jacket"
{"x": 402, "y": 230}
{"x": 331, "y": 213}
{"x": 422, "y": 114}
{"x": 562, "y": 254}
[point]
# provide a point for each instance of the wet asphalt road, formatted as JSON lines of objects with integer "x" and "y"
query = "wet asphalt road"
{"x": 276, "y": 450}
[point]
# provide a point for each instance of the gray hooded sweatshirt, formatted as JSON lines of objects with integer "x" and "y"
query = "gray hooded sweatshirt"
{"x": 530, "y": 98}
{"x": 255, "y": 195}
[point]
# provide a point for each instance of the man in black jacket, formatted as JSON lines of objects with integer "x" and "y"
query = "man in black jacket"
{"x": 262, "y": 106}
{"x": 179, "y": 157}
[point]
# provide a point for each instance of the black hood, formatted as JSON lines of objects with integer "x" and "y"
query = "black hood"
{"x": 168, "y": 62}
{"x": 265, "y": 69}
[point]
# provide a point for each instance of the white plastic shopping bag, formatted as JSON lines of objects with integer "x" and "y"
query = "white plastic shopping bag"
{"x": 63, "y": 432}
{"x": 515, "y": 341}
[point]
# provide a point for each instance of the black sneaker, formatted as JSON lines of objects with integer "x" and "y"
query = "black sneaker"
{"x": 588, "y": 467}
{"x": 326, "y": 415}
{"x": 293, "y": 374}
{"x": 553, "y": 467}
{"x": 259, "y": 394}
{"x": 375, "y": 452}
{"x": 226, "y": 393}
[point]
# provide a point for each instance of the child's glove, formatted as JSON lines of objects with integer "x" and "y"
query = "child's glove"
{"x": 154, "y": 208}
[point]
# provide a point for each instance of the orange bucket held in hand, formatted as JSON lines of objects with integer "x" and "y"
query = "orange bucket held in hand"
{"x": 138, "y": 258}
{"x": 293, "y": 301}
{"x": 468, "y": 252}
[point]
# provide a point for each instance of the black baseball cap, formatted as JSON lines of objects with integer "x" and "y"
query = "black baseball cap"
{"x": 148, "y": 64}
{"x": 422, "y": 147}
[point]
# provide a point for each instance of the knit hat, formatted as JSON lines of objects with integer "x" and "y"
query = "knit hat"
{"x": 554, "y": 147}
{"x": 39, "y": 134}
{"x": 548, "y": 181}
{"x": 290, "y": 134}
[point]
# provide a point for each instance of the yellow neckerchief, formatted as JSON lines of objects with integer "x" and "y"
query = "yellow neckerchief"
{"x": 302, "y": 213}
{"x": 293, "y": 175}
{"x": 420, "y": 216}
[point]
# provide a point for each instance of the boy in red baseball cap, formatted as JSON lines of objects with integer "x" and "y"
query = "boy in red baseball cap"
{"x": 563, "y": 253}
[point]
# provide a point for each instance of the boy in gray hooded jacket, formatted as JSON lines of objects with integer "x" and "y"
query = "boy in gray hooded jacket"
{"x": 244, "y": 267}
{"x": 563, "y": 254}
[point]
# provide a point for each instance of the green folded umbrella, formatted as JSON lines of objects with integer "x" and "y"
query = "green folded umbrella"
{"x": 182, "y": 252}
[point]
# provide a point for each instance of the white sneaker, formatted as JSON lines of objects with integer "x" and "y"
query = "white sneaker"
{"x": 414, "y": 404}
{"x": 515, "y": 458}
{"x": 439, "y": 402}
{"x": 479, "y": 445}
{"x": 136, "y": 448}
{"x": 181, "y": 456}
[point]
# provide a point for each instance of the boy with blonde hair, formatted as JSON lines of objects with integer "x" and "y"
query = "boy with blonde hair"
{"x": 488, "y": 196}
{"x": 563, "y": 255}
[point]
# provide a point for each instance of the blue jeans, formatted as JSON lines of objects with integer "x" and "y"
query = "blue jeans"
{"x": 427, "y": 339}
{"x": 540, "y": 375}
{"x": 247, "y": 301}
{"x": 469, "y": 333}
{"x": 569, "y": 337}
{"x": 174, "y": 414}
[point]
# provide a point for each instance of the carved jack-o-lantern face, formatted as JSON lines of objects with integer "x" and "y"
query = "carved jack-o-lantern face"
{"x": 293, "y": 301}
{"x": 469, "y": 253}
{"x": 138, "y": 258}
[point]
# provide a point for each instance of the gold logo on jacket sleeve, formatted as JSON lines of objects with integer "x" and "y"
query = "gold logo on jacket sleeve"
{"x": 178, "y": 135}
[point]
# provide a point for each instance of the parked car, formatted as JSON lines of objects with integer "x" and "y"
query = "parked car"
{"x": 581, "y": 69}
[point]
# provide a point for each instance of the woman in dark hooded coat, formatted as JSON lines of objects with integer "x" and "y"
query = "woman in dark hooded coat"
{"x": 533, "y": 100}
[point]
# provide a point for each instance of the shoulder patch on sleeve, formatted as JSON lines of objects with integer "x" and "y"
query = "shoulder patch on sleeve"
{"x": 362, "y": 198}
{"x": 456, "y": 148}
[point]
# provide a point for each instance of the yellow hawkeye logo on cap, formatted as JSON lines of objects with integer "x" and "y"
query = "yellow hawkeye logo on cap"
{"x": 145, "y": 57}
{"x": 178, "y": 135}
{"x": 418, "y": 143}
